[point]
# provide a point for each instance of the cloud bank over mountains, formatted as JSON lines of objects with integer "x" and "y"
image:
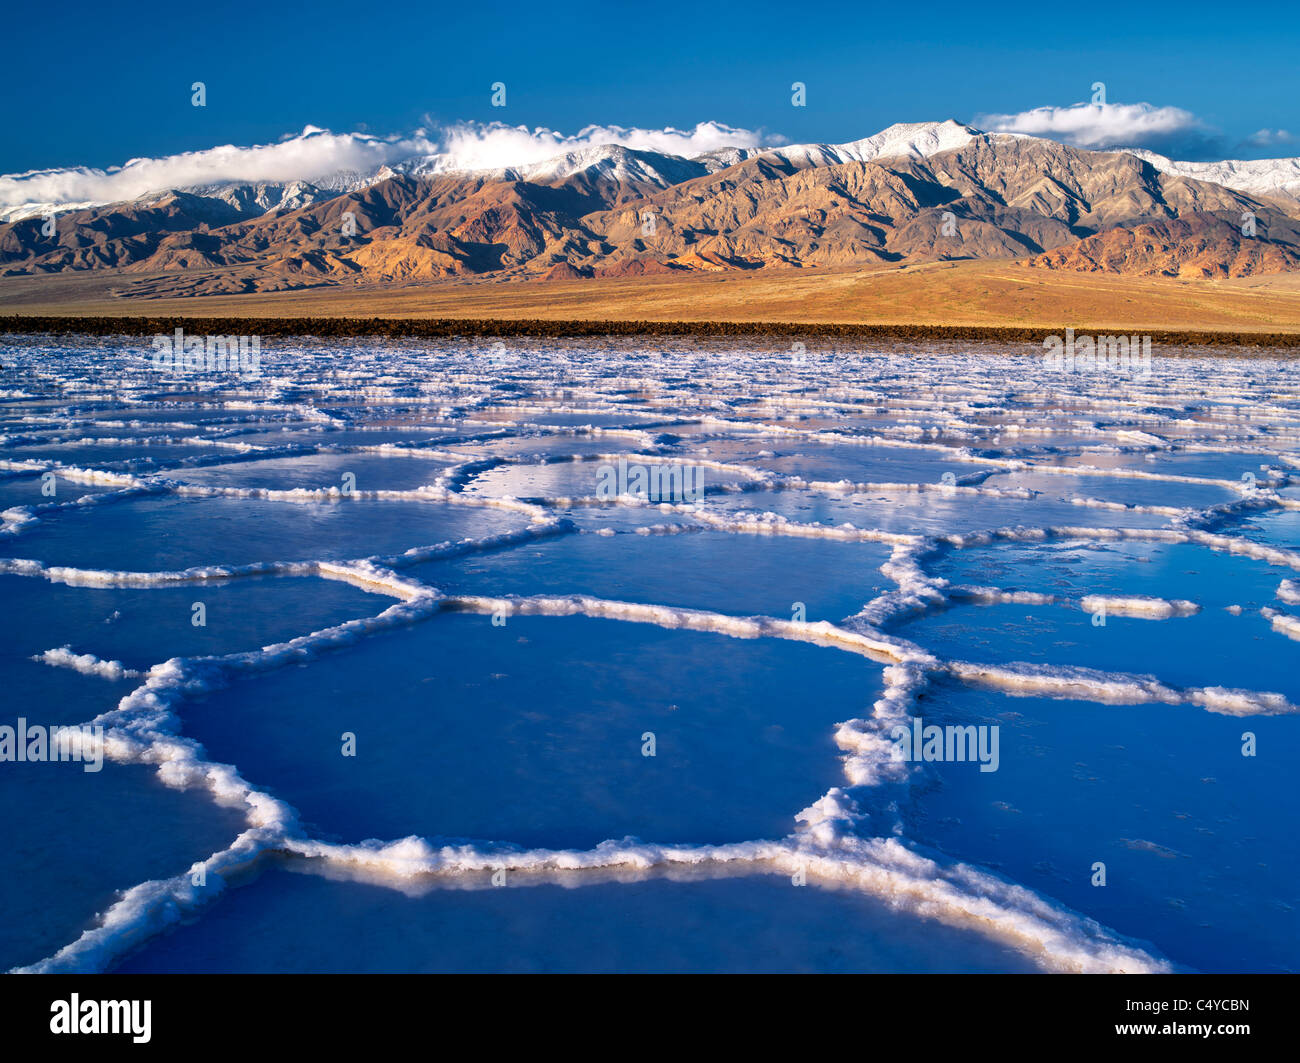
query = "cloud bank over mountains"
{"x": 1169, "y": 131}
{"x": 313, "y": 154}
{"x": 341, "y": 160}
{"x": 344, "y": 161}
{"x": 1100, "y": 126}
{"x": 472, "y": 146}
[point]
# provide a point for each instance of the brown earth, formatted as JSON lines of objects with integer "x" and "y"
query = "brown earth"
{"x": 969, "y": 295}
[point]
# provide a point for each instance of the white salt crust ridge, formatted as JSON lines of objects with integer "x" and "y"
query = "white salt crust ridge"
{"x": 19, "y": 519}
{"x": 1116, "y": 688}
{"x": 953, "y": 894}
{"x": 1140, "y": 606}
{"x": 1283, "y": 623}
{"x": 1221, "y": 543}
{"x": 997, "y": 596}
{"x": 85, "y": 663}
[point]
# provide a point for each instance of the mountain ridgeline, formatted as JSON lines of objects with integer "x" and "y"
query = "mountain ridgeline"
{"x": 918, "y": 193}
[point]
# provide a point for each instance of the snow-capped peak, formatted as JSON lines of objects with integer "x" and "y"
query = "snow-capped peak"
{"x": 916, "y": 139}
{"x": 912, "y": 139}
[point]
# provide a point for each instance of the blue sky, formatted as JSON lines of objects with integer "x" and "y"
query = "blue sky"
{"x": 96, "y": 85}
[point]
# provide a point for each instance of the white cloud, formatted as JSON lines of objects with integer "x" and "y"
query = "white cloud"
{"x": 1267, "y": 138}
{"x": 471, "y": 146}
{"x": 313, "y": 154}
{"x": 317, "y": 155}
{"x": 1106, "y": 125}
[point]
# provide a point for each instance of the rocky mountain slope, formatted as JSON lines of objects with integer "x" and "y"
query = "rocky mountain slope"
{"x": 912, "y": 193}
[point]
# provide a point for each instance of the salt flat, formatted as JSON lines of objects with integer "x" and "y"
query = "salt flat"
{"x": 447, "y": 679}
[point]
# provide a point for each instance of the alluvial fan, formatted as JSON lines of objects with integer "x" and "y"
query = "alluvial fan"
{"x": 648, "y": 655}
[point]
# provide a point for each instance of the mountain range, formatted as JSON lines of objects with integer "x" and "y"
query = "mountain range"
{"x": 912, "y": 193}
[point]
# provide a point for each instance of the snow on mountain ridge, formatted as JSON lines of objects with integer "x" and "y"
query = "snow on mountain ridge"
{"x": 1259, "y": 177}
{"x": 914, "y": 139}
{"x": 721, "y": 158}
{"x": 617, "y": 163}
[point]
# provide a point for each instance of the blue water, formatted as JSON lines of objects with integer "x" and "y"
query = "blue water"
{"x": 1194, "y": 852}
{"x": 532, "y": 732}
